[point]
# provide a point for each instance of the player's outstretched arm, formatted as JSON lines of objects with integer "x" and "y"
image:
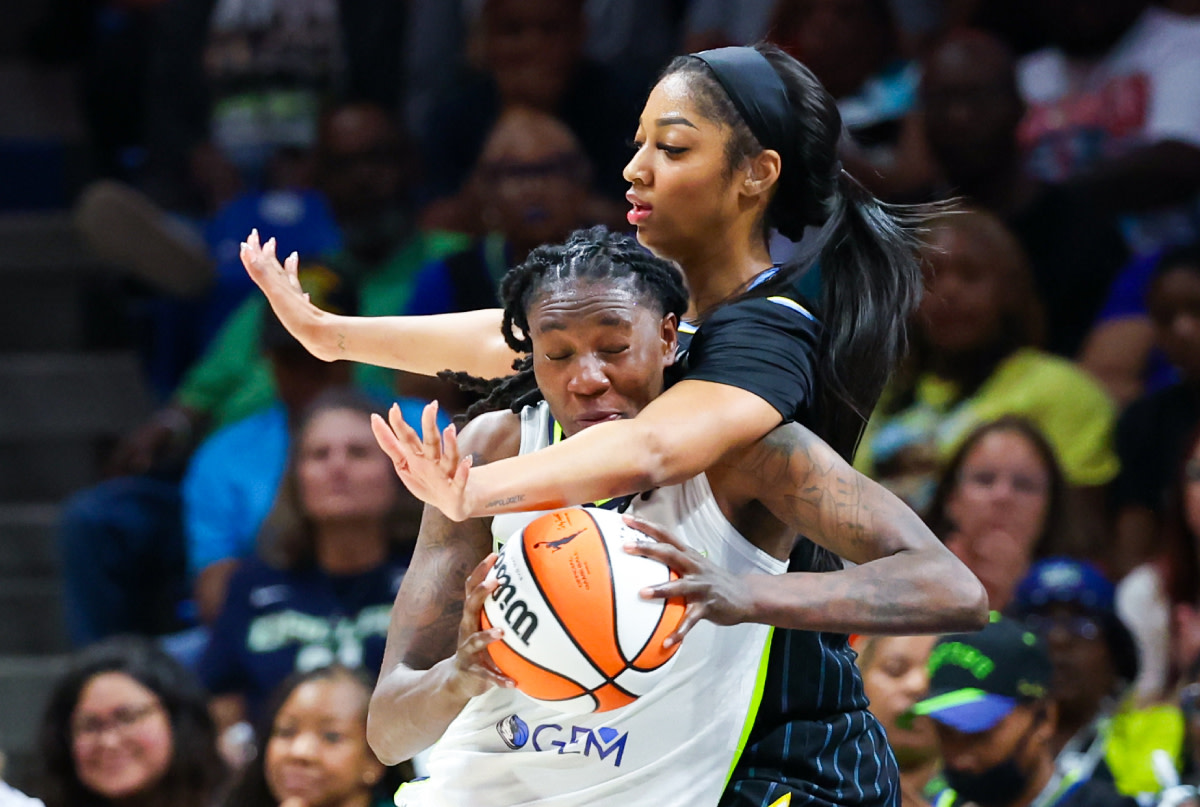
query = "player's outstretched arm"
{"x": 905, "y": 580}
{"x": 470, "y": 341}
{"x": 679, "y": 434}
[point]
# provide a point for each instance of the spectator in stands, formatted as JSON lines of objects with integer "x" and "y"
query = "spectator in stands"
{"x": 1119, "y": 349}
{"x": 975, "y": 358}
{"x": 1152, "y": 432}
{"x": 1159, "y": 599}
{"x": 1114, "y": 109}
{"x": 127, "y": 725}
{"x": 971, "y": 109}
{"x": 312, "y": 748}
{"x": 895, "y": 674}
{"x": 236, "y": 86}
{"x": 1069, "y": 603}
{"x": 718, "y": 24}
{"x": 333, "y": 552}
{"x": 366, "y": 176}
{"x": 1001, "y": 504}
{"x": 989, "y": 697}
{"x": 1189, "y": 706}
{"x": 853, "y": 47}
{"x": 129, "y": 551}
{"x": 531, "y": 54}
{"x": 530, "y": 187}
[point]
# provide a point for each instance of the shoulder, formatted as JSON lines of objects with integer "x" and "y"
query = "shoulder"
{"x": 492, "y": 436}
{"x": 271, "y": 420}
{"x": 758, "y": 322}
{"x": 784, "y": 309}
{"x": 252, "y": 573}
{"x": 246, "y": 435}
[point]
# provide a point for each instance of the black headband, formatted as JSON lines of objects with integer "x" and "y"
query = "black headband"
{"x": 756, "y": 90}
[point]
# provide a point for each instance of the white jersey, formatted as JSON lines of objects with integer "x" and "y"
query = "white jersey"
{"x": 675, "y": 745}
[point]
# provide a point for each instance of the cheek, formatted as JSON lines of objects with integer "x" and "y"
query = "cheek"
{"x": 143, "y": 762}
{"x": 1031, "y": 515}
{"x": 1191, "y": 506}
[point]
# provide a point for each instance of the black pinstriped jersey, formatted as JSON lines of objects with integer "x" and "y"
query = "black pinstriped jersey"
{"x": 813, "y": 740}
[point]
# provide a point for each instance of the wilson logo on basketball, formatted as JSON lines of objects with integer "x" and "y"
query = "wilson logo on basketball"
{"x": 516, "y": 612}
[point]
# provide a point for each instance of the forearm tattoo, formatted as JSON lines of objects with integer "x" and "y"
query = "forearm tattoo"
{"x": 434, "y": 602}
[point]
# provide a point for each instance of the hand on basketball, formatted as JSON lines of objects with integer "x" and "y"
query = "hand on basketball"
{"x": 280, "y": 283}
{"x": 474, "y": 671}
{"x": 710, "y": 592}
{"x": 430, "y": 466}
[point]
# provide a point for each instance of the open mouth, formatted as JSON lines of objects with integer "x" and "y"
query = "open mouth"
{"x": 639, "y": 210}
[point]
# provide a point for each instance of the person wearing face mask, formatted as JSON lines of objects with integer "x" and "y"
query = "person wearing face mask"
{"x": 1095, "y": 659}
{"x": 989, "y": 698}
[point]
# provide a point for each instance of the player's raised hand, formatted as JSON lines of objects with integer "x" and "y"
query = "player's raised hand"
{"x": 280, "y": 282}
{"x": 429, "y": 466}
{"x": 710, "y": 592}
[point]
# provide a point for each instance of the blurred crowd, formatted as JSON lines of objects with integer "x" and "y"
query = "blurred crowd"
{"x": 1046, "y": 422}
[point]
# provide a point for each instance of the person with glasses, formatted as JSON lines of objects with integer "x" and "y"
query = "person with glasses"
{"x": 1001, "y": 504}
{"x": 1100, "y": 730}
{"x": 127, "y": 724}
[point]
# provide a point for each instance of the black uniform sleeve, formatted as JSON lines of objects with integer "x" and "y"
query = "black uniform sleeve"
{"x": 766, "y": 346}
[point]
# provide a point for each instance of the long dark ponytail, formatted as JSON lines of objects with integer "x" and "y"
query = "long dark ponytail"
{"x": 866, "y": 250}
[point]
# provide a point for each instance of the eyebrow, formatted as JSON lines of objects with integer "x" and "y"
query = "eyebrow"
{"x": 609, "y": 320}
{"x": 675, "y": 120}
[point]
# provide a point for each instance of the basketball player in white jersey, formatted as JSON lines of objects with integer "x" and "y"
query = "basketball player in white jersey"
{"x": 599, "y": 319}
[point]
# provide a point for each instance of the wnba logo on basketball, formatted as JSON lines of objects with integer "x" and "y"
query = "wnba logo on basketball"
{"x": 516, "y": 611}
{"x": 577, "y": 635}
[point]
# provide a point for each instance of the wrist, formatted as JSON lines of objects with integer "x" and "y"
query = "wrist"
{"x": 456, "y": 686}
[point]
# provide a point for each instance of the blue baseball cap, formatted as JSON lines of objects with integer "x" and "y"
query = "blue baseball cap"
{"x": 1067, "y": 581}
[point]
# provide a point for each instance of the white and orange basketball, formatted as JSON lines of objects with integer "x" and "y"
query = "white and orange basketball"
{"x": 577, "y": 635}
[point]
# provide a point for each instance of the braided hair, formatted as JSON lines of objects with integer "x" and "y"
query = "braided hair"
{"x": 590, "y": 255}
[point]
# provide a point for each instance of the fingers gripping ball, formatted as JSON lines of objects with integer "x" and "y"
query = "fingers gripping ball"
{"x": 577, "y": 635}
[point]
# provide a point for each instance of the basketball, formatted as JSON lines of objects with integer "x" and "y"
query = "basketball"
{"x": 576, "y": 634}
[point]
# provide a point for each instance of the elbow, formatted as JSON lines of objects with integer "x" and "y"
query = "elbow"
{"x": 658, "y": 461}
{"x": 382, "y": 744}
{"x": 971, "y": 607}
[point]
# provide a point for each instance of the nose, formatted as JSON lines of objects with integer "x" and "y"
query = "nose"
{"x": 303, "y": 746}
{"x": 636, "y": 171}
{"x": 916, "y": 683}
{"x": 1184, "y": 326}
{"x": 588, "y": 378}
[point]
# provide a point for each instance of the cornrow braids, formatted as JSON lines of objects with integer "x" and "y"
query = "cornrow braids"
{"x": 589, "y": 255}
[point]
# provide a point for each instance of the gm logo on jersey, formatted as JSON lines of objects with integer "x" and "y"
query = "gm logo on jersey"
{"x": 604, "y": 743}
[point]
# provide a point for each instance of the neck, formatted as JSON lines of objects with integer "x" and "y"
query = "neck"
{"x": 916, "y": 776}
{"x": 969, "y": 368}
{"x": 351, "y": 546}
{"x": 1071, "y": 722}
{"x": 714, "y": 275}
{"x": 1004, "y": 192}
{"x": 1037, "y": 782}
